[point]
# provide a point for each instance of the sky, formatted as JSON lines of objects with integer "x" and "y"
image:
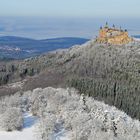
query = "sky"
{"x": 43, "y": 19}
{"x": 71, "y": 8}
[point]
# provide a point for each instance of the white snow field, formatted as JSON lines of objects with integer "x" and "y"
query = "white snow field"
{"x": 27, "y": 133}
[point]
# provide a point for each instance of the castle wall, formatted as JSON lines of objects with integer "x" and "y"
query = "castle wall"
{"x": 102, "y": 33}
{"x": 120, "y": 39}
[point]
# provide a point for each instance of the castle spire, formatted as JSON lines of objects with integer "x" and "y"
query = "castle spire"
{"x": 113, "y": 26}
{"x": 106, "y": 25}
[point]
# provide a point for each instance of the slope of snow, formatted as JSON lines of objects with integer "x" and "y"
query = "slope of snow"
{"x": 136, "y": 39}
{"x": 62, "y": 135}
{"x": 27, "y": 133}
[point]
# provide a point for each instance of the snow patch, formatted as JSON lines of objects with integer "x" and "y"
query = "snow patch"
{"x": 17, "y": 84}
{"x": 137, "y": 39}
{"x": 29, "y": 120}
{"x": 62, "y": 135}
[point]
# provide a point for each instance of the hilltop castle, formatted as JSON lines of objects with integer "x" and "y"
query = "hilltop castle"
{"x": 113, "y": 36}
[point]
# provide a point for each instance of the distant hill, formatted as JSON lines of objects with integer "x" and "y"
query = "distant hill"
{"x": 19, "y": 47}
{"x": 136, "y": 36}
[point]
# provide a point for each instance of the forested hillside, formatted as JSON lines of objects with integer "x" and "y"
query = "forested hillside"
{"x": 107, "y": 73}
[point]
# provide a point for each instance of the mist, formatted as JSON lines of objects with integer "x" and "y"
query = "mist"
{"x": 43, "y": 27}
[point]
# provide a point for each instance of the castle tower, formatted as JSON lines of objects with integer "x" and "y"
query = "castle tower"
{"x": 102, "y": 33}
{"x": 106, "y": 25}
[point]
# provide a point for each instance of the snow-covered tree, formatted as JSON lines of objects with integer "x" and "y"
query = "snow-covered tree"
{"x": 11, "y": 119}
{"x": 82, "y": 117}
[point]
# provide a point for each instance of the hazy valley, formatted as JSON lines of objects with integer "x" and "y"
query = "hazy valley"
{"x": 12, "y": 47}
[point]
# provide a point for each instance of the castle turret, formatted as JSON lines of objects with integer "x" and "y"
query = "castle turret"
{"x": 106, "y": 25}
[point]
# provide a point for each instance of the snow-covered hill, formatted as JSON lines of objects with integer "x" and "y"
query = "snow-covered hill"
{"x": 64, "y": 114}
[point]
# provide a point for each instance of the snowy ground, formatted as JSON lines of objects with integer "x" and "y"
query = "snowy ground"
{"x": 17, "y": 84}
{"x": 136, "y": 39}
{"x": 62, "y": 135}
{"x": 28, "y": 132}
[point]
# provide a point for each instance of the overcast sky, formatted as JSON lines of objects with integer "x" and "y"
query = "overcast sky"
{"x": 71, "y": 8}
